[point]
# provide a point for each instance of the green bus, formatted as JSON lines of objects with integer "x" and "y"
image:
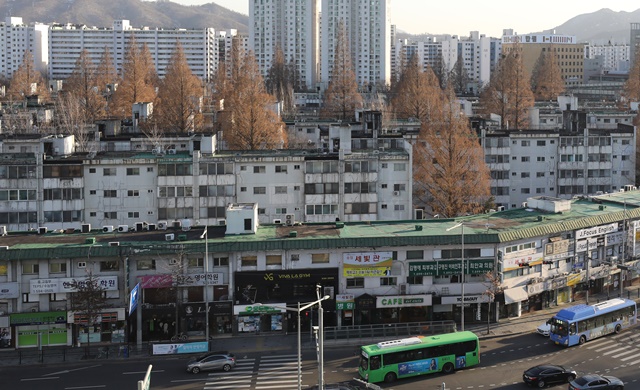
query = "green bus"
{"x": 388, "y": 360}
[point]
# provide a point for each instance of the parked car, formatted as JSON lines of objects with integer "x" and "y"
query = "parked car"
{"x": 212, "y": 361}
{"x": 599, "y": 382}
{"x": 544, "y": 329}
{"x": 546, "y": 374}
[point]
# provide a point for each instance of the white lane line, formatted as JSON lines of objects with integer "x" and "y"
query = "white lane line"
{"x": 614, "y": 351}
{"x": 85, "y": 387}
{"x": 630, "y": 357}
{"x": 140, "y": 372}
{"x": 39, "y": 379}
{"x": 278, "y": 356}
{"x": 598, "y": 344}
{"x": 75, "y": 369}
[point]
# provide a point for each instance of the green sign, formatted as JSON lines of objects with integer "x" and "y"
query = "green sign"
{"x": 345, "y": 305}
{"x": 260, "y": 310}
{"x": 450, "y": 267}
{"x": 38, "y": 318}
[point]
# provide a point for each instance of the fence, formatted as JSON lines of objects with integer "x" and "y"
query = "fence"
{"x": 49, "y": 355}
{"x": 386, "y": 331}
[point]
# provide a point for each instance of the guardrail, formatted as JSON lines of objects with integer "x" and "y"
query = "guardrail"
{"x": 64, "y": 354}
{"x": 388, "y": 330}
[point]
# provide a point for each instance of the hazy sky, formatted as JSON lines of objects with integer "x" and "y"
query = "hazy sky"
{"x": 460, "y": 17}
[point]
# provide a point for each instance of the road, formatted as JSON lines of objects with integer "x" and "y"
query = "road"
{"x": 502, "y": 362}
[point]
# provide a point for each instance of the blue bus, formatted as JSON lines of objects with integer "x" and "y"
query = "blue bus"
{"x": 580, "y": 323}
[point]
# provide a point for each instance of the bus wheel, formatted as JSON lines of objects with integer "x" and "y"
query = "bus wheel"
{"x": 390, "y": 377}
{"x": 583, "y": 340}
{"x": 618, "y": 328}
{"x": 448, "y": 368}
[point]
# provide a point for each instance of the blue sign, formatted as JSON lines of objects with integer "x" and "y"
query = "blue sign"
{"x": 418, "y": 366}
{"x": 133, "y": 298}
{"x": 170, "y": 349}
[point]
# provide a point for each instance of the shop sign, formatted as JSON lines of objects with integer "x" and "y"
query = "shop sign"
{"x": 366, "y": 272}
{"x": 156, "y": 281}
{"x": 345, "y": 302}
{"x": 248, "y": 310}
{"x": 558, "y": 283}
{"x": 200, "y": 279}
{"x": 613, "y": 239}
{"x": 38, "y": 318}
{"x": 456, "y": 300}
{"x": 368, "y": 259}
{"x": 535, "y": 288}
{"x": 9, "y": 290}
{"x": 403, "y": 301}
{"x": 449, "y": 267}
{"x": 557, "y": 247}
{"x": 574, "y": 279}
{"x": 596, "y": 231}
{"x": 67, "y": 285}
{"x": 271, "y": 276}
{"x": 516, "y": 262}
{"x": 365, "y": 302}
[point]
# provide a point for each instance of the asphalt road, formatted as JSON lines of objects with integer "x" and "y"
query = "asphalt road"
{"x": 502, "y": 362}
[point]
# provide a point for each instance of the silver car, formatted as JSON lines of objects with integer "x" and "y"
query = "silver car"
{"x": 224, "y": 361}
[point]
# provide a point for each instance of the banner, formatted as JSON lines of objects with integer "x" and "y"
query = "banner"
{"x": 366, "y": 272}
{"x": 170, "y": 349}
{"x": 67, "y": 285}
{"x": 450, "y": 267}
{"x": 367, "y": 259}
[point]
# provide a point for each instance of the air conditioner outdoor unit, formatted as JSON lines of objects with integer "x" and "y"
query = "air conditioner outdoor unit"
{"x": 525, "y": 205}
{"x": 177, "y": 225}
{"x": 3, "y": 230}
{"x": 173, "y": 261}
{"x": 396, "y": 193}
{"x": 85, "y": 228}
{"x": 139, "y": 226}
{"x": 169, "y": 237}
{"x": 42, "y": 230}
{"x": 403, "y": 288}
{"x": 107, "y": 229}
{"x": 289, "y": 219}
{"x": 222, "y": 222}
{"x": 82, "y": 264}
{"x": 114, "y": 243}
{"x": 171, "y": 151}
{"x": 123, "y": 228}
{"x": 162, "y": 225}
{"x": 277, "y": 221}
{"x": 4, "y": 248}
{"x": 500, "y": 208}
{"x": 151, "y": 227}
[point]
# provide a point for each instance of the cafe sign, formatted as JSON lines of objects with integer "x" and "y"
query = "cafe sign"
{"x": 403, "y": 301}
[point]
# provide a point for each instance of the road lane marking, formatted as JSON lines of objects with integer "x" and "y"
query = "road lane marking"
{"x": 74, "y": 369}
{"x": 85, "y": 387}
{"x": 140, "y": 372}
{"x": 39, "y": 379}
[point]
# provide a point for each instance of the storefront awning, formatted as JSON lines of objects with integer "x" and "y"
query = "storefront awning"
{"x": 516, "y": 294}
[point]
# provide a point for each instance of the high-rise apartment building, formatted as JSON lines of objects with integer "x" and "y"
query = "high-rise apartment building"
{"x": 17, "y": 37}
{"x": 634, "y": 41}
{"x": 289, "y": 25}
{"x": 368, "y": 26}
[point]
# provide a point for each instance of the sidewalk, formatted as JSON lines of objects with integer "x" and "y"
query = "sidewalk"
{"x": 247, "y": 344}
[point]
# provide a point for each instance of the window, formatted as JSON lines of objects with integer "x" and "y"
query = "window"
{"x": 398, "y": 207}
{"x": 274, "y": 259}
{"x": 296, "y": 167}
{"x": 110, "y": 193}
{"x": 259, "y": 190}
{"x": 3, "y": 268}
{"x": 281, "y": 189}
{"x": 399, "y": 167}
{"x": 317, "y": 258}
{"x": 110, "y": 215}
{"x": 415, "y": 254}
{"x": 197, "y": 262}
{"x": 142, "y": 265}
{"x": 133, "y": 214}
{"x": 133, "y": 193}
{"x": 355, "y": 282}
{"x": 249, "y": 261}
{"x": 541, "y": 143}
{"x": 259, "y": 169}
{"x": 281, "y": 169}
{"x": 539, "y": 174}
{"x": 92, "y": 170}
{"x": 56, "y": 268}
{"x": 540, "y": 158}
{"x": 220, "y": 261}
{"x": 281, "y": 210}
{"x": 108, "y": 172}
{"x": 399, "y": 187}
{"x": 525, "y": 159}
{"x": 389, "y": 281}
{"x": 133, "y": 171}
{"x": 414, "y": 279}
{"x": 109, "y": 265}
{"x": 525, "y": 143}
{"x": 30, "y": 268}
{"x": 524, "y": 174}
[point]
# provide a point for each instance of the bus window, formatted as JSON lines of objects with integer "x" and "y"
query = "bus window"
{"x": 375, "y": 362}
{"x": 572, "y": 328}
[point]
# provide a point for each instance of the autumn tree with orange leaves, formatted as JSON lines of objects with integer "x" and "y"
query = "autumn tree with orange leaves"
{"x": 27, "y": 80}
{"x": 546, "y": 80}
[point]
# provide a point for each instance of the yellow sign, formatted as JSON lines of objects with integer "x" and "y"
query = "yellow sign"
{"x": 366, "y": 272}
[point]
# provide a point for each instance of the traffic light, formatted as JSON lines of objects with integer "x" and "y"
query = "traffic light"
{"x": 547, "y": 262}
{"x": 592, "y": 283}
{"x": 524, "y": 265}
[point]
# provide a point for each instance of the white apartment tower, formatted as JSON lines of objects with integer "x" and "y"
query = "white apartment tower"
{"x": 17, "y": 37}
{"x": 292, "y": 26}
{"x": 66, "y": 41}
{"x": 368, "y": 27}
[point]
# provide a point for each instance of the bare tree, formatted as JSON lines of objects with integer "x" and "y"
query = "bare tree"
{"x": 71, "y": 119}
{"x": 83, "y": 86}
{"x": 492, "y": 288}
{"x": 281, "y": 81}
{"x": 341, "y": 97}
{"x": 509, "y": 92}
{"x": 546, "y": 80}
{"x": 88, "y": 301}
{"x": 459, "y": 78}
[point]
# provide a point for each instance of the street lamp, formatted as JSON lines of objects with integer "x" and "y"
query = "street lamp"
{"x": 205, "y": 235}
{"x": 461, "y": 225}
{"x": 299, "y": 310}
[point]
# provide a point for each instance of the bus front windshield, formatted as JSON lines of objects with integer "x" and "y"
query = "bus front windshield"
{"x": 559, "y": 327}
{"x": 364, "y": 362}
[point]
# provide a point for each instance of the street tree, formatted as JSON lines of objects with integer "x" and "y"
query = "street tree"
{"x": 492, "y": 288}
{"x": 341, "y": 98}
{"x": 83, "y": 86}
{"x": 137, "y": 81}
{"x": 281, "y": 80}
{"x": 449, "y": 172}
{"x": 546, "y": 80}
{"x": 180, "y": 96}
{"x": 88, "y": 301}
{"x": 509, "y": 94}
{"x": 248, "y": 119}
{"x": 27, "y": 80}
{"x": 417, "y": 94}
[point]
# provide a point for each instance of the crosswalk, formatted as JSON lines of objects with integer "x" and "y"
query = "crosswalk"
{"x": 623, "y": 347}
{"x": 263, "y": 373}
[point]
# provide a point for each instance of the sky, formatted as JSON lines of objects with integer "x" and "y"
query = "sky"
{"x": 489, "y": 17}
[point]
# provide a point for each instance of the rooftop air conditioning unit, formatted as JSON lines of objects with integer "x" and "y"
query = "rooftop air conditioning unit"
{"x": 3, "y": 230}
{"x": 107, "y": 229}
{"x": 4, "y": 248}
{"x": 171, "y": 151}
{"x": 177, "y": 224}
{"x": 123, "y": 228}
{"x": 162, "y": 225}
{"x": 169, "y": 237}
{"x": 139, "y": 226}
{"x": 289, "y": 219}
{"x": 85, "y": 228}
{"x": 151, "y": 227}
{"x": 222, "y": 222}
{"x": 42, "y": 230}
{"x": 500, "y": 208}
{"x": 114, "y": 243}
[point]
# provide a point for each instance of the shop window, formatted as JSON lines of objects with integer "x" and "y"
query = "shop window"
{"x": 317, "y": 258}
{"x": 30, "y": 268}
{"x": 220, "y": 261}
{"x": 55, "y": 268}
{"x": 249, "y": 261}
{"x": 199, "y": 262}
{"x": 355, "y": 282}
{"x": 414, "y": 255}
{"x": 109, "y": 265}
{"x": 145, "y": 264}
{"x": 274, "y": 259}
{"x": 389, "y": 281}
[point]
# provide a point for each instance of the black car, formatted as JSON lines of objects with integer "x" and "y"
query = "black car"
{"x": 547, "y": 374}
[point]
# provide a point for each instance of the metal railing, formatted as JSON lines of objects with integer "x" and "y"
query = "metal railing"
{"x": 384, "y": 331}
